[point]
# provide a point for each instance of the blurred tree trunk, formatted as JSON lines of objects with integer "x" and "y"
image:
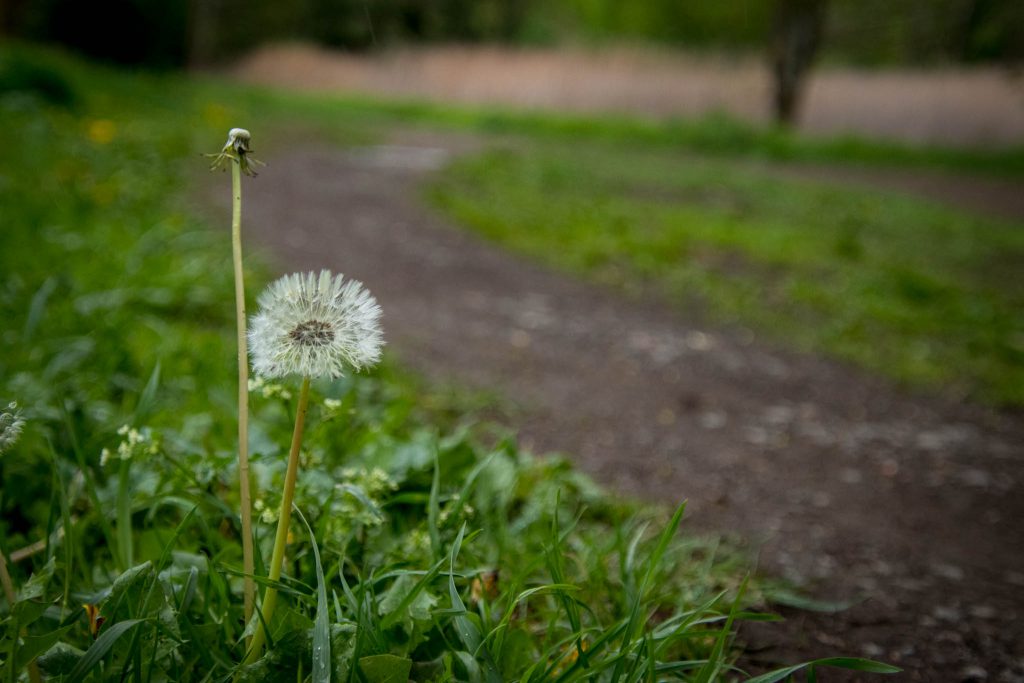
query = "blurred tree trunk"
{"x": 974, "y": 16}
{"x": 201, "y": 32}
{"x": 11, "y": 12}
{"x": 796, "y": 35}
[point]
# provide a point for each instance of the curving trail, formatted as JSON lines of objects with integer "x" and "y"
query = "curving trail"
{"x": 851, "y": 486}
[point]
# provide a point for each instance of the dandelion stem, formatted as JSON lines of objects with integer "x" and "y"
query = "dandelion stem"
{"x": 248, "y": 564}
{"x": 5, "y": 579}
{"x": 281, "y": 540}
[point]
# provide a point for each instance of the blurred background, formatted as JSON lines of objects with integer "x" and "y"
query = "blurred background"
{"x": 748, "y": 58}
{"x": 183, "y": 32}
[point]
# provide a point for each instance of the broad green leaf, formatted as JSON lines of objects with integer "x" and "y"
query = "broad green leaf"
{"x": 385, "y": 668}
{"x": 33, "y": 646}
{"x": 408, "y": 596}
{"x": 35, "y": 587}
{"x": 59, "y": 660}
{"x": 126, "y": 586}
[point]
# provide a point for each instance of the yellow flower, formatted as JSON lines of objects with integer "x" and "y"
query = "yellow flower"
{"x": 101, "y": 131}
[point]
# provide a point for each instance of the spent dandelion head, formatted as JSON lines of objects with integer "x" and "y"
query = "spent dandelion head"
{"x": 238, "y": 149}
{"x": 11, "y": 424}
{"x": 315, "y": 325}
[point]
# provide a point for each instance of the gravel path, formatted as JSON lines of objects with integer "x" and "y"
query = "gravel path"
{"x": 910, "y": 503}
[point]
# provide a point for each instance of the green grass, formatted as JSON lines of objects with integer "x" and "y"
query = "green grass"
{"x": 917, "y": 291}
{"x": 435, "y": 549}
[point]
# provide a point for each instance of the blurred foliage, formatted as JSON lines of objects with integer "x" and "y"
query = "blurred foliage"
{"x": 175, "y": 32}
{"x": 34, "y": 77}
{"x": 861, "y": 31}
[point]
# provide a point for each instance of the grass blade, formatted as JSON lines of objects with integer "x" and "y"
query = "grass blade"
{"x": 652, "y": 565}
{"x": 321, "y": 625}
{"x": 148, "y": 396}
{"x": 433, "y": 509}
{"x": 124, "y": 514}
{"x": 850, "y": 663}
{"x": 99, "y": 649}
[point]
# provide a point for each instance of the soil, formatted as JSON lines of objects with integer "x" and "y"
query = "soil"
{"x": 980, "y": 106}
{"x": 908, "y": 505}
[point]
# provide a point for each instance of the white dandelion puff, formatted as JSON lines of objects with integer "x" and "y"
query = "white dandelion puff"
{"x": 314, "y": 326}
{"x": 11, "y": 424}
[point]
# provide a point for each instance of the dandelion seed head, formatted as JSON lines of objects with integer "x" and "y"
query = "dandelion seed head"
{"x": 238, "y": 140}
{"x": 238, "y": 149}
{"x": 315, "y": 325}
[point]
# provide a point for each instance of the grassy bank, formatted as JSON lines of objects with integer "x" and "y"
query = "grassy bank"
{"x": 914, "y": 290}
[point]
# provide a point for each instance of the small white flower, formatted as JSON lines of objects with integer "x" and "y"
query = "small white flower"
{"x": 267, "y": 514}
{"x": 314, "y": 326}
{"x": 136, "y": 442}
{"x": 268, "y": 389}
{"x": 11, "y": 424}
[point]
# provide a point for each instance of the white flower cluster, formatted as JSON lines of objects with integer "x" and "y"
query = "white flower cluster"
{"x": 268, "y": 389}
{"x": 415, "y": 543}
{"x": 268, "y": 515}
{"x": 136, "y": 442}
{"x": 347, "y": 511}
{"x": 11, "y": 424}
{"x": 315, "y": 325}
{"x": 453, "y": 506}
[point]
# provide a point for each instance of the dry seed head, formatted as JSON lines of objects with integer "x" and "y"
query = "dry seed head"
{"x": 315, "y": 325}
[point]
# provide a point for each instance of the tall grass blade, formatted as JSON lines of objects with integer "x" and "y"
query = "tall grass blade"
{"x": 38, "y": 307}
{"x": 652, "y": 564}
{"x": 434, "y": 509}
{"x": 321, "y": 624}
{"x": 147, "y": 399}
{"x": 124, "y": 514}
{"x": 469, "y": 634}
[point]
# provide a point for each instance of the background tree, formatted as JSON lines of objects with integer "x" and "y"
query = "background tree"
{"x": 796, "y": 37}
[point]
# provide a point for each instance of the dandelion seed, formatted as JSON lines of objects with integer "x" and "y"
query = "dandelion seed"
{"x": 314, "y": 326}
{"x": 11, "y": 424}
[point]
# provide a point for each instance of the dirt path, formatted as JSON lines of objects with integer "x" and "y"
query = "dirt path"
{"x": 855, "y": 489}
{"x": 950, "y": 107}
